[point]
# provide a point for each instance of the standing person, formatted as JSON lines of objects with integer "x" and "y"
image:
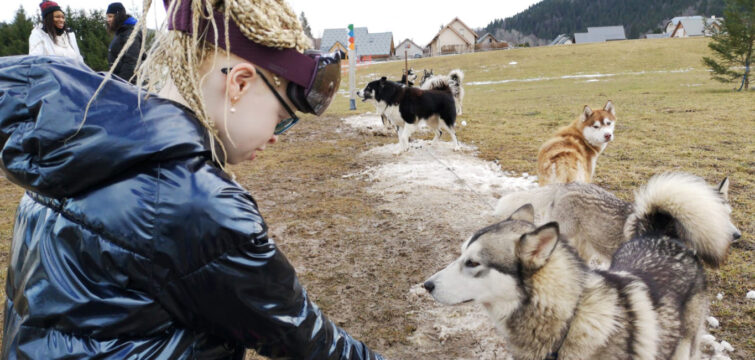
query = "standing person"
{"x": 51, "y": 37}
{"x": 120, "y": 24}
{"x": 132, "y": 241}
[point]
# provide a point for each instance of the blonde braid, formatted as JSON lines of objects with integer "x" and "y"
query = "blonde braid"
{"x": 269, "y": 22}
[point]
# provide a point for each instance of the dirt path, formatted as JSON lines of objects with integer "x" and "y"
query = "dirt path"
{"x": 364, "y": 228}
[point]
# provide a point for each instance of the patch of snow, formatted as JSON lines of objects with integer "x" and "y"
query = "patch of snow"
{"x": 751, "y": 294}
{"x": 592, "y": 80}
{"x": 438, "y": 166}
{"x": 713, "y": 322}
{"x": 720, "y": 296}
{"x": 453, "y": 322}
{"x": 713, "y": 350}
{"x": 576, "y": 76}
{"x": 513, "y": 63}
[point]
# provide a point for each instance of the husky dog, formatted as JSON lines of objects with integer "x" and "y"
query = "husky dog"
{"x": 589, "y": 217}
{"x": 425, "y": 76}
{"x": 451, "y": 81}
{"x": 406, "y": 107}
{"x": 409, "y": 78}
{"x": 570, "y": 155}
{"x": 650, "y": 303}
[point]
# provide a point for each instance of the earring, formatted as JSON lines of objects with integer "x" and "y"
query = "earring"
{"x": 233, "y": 100}
{"x": 276, "y": 80}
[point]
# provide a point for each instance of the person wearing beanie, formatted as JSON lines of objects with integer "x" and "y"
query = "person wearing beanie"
{"x": 120, "y": 24}
{"x": 51, "y": 38}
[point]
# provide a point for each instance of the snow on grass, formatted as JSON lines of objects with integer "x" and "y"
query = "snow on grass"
{"x": 714, "y": 350}
{"x": 713, "y": 322}
{"x": 751, "y": 294}
{"x": 438, "y": 187}
{"x": 575, "y": 76}
{"x": 437, "y": 165}
{"x": 454, "y": 322}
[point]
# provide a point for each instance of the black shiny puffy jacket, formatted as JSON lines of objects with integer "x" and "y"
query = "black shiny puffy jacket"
{"x": 130, "y": 242}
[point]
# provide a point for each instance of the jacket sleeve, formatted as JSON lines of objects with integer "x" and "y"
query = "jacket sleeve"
{"x": 75, "y": 45}
{"x": 113, "y": 50}
{"x": 36, "y": 44}
{"x": 250, "y": 294}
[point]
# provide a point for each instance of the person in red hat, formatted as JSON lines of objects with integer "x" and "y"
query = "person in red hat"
{"x": 51, "y": 38}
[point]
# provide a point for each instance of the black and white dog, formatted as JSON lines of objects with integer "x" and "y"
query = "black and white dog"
{"x": 406, "y": 107}
{"x": 409, "y": 78}
{"x": 453, "y": 81}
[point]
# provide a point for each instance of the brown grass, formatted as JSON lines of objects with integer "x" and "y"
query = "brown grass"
{"x": 667, "y": 120}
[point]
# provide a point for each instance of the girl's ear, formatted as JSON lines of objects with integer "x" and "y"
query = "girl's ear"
{"x": 239, "y": 79}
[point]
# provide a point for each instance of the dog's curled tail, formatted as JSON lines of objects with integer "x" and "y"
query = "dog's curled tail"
{"x": 456, "y": 75}
{"x": 684, "y": 206}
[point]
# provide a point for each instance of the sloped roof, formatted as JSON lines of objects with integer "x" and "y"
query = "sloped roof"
{"x": 608, "y": 32}
{"x": 600, "y": 34}
{"x": 448, "y": 26}
{"x": 366, "y": 43}
{"x": 465, "y": 25}
{"x": 695, "y": 26}
{"x": 482, "y": 38}
{"x": 409, "y": 41}
{"x": 561, "y": 39}
{"x": 675, "y": 20}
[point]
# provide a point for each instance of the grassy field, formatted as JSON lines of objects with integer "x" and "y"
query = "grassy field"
{"x": 671, "y": 116}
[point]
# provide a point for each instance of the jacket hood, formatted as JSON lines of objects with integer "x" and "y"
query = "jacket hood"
{"x": 47, "y": 149}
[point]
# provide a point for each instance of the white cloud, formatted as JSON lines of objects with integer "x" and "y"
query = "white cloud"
{"x": 418, "y": 20}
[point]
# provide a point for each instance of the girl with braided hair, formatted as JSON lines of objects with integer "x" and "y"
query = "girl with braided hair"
{"x": 132, "y": 241}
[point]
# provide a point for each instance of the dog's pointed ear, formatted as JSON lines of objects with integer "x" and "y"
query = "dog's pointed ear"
{"x": 586, "y": 113}
{"x": 536, "y": 247}
{"x": 524, "y": 213}
{"x": 609, "y": 107}
{"x": 723, "y": 188}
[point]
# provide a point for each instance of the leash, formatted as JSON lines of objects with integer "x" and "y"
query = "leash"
{"x": 554, "y": 355}
{"x": 476, "y": 194}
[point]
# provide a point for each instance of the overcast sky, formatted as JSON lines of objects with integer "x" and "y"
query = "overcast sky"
{"x": 418, "y": 20}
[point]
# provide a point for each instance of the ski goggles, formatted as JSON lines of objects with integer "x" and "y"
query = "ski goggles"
{"x": 314, "y": 77}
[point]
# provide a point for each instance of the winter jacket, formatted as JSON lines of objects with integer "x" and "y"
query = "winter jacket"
{"x": 130, "y": 242}
{"x": 127, "y": 65}
{"x": 40, "y": 43}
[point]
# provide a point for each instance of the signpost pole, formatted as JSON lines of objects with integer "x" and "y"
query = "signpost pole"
{"x": 352, "y": 70}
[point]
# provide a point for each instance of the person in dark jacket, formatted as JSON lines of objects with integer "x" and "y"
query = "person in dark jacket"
{"x": 132, "y": 241}
{"x": 120, "y": 24}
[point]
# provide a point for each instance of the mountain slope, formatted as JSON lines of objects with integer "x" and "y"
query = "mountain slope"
{"x": 549, "y": 18}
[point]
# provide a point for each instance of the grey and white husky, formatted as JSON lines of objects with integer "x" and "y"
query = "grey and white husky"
{"x": 591, "y": 218}
{"x": 650, "y": 303}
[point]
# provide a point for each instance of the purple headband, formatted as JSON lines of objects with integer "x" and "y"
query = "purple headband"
{"x": 288, "y": 63}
